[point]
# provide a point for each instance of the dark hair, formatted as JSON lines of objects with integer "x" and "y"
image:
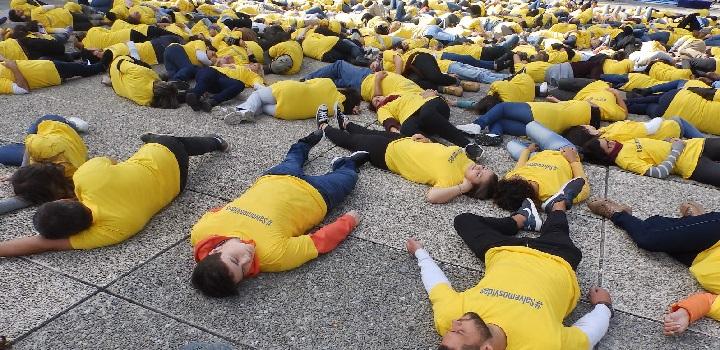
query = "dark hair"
{"x": 13, "y": 16}
{"x": 132, "y": 20}
{"x": 41, "y": 182}
{"x": 487, "y": 102}
{"x": 212, "y": 277}
{"x": 595, "y": 154}
{"x": 382, "y": 29}
{"x": 352, "y": 99}
{"x": 484, "y": 192}
{"x": 165, "y": 95}
{"x": 510, "y": 193}
{"x": 371, "y": 107}
{"x": 475, "y": 11}
{"x": 61, "y": 219}
{"x": 578, "y": 135}
{"x": 619, "y": 55}
{"x": 366, "y": 17}
{"x": 111, "y": 16}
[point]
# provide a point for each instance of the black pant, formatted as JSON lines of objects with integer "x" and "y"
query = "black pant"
{"x": 160, "y": 43}
{"x": 358, "y": 138}
{"x": 484, "y": 233}
{"x": 433, "y": 118}
{"x": 185, "y": 147}
{"x": 343, "y": 50}
{"x": 35, "y": 48}
{"x": 707, "y": 170}
{"x": 702, "y": 64}
{"x": 68, "y": 70}
{"x": 491, "y": 53}
{"x": 424, "y": 70}
{"x": 156, "y": 32}
{"x": 568, "y": 88}
{"x": 591, "y": 68}
{"x": 81, "y": 22}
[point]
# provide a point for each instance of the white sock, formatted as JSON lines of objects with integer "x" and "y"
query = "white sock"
{"x": 653, "y": 125}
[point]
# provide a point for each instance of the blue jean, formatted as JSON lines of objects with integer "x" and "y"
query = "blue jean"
{"x": 480, "y": 75}
{"x": 545, "y": 138}
{"x": 467, "y": 59}
{"x": 223, "y": 87}
{"x": 661, "y": 37}
{"x": 343, "y": 74}
{"x": 616, "y": 80}
{"x": 665, "y": 87}
{"x": 682, "y": 238}
{"x": 437, "y": 33}
{"x": 333, "y": 186}
{"x": 401, "y": 14}
{"x": 713, "y": 41}
{"x": 511, "y": 41}
{"x": 101, "y": 5}
{"x": 687, "y": 130}
{"x": 452, "y": 7}
{"x": 12, "y": 154}
{"x": 177, "y": 64}
{"x": 514, "y": 112}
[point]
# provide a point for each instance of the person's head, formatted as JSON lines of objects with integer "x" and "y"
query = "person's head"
{"x": 483, "y": 179}
{"x": 600, "y": 151}
{"x": 41, "y": 182}
{"x": 510, "y": 193}
{"x": 469, "y": 332}
{"x": 475, "y": 11}
{"x": 219, "y": 273}
{"x": 16, "y": 15}
{"x": 281, "y": 64}
{"x": 133, "y": 18}
{"x": 580, "y": 134}
{"x": 619, "y": 55}
{"x": 351, "y": 105}
{"x": 62, "y": 218}
{"x": 376, "y": 102}
{"x": 382, "y": 29}
{"x": 485, "y": 103}
{"x": 541, "y": 56}
{"x": 376, "y": 65}
{"x": 165, "y": 95}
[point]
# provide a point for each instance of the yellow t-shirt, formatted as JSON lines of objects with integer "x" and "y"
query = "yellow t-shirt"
{"x": 662, "y": 71}
{"x": 291, "y": 48}
{"x": 241, "y": 73}
{"x": 525, "y": 292}
{"x": 560, "y": 116}
{"x": 58, "y": 143}
{"x": 316, "y": 45}
{"x": 640, "y": 80}
{"x": 469, "y": 50}
{"x": 706, "y": 271}
{"x": 521, "y": 88}
{"x": 430, "y": 164}
{"x": 535, "y": 69}
{"x": 275, "y": 212}
{"x": 38, "y": 73}
{"x": 618, "y": 67}
{"x": 628, "y": 129}
{"x": 55, "y": 18}
{"x": 191, "y": 49}
{"x": 123, "y": 197}
{"x": 101, "y": 38}
{"x": 402, "y": 107}
{"x": 700, "y": 112}
{"x": 550, "y": 170}
{"x": 597, "y": 93}
{"x": 11, "y": 49}
{"x": 132, "y": 81}
{"x": 300, "y": 100}
{"x": 392, "y": 84}
{"x": 639, "y": 155}
{"x": 145, "y": 50}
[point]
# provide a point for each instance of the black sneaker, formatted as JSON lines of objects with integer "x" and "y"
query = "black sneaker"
{"x": 488, "y": 139}
{"x": 340, "y": 116}
{"x": 474, "y": 152}
{"x": 224, "y": 145}
{"x": 533, "y": 221}
{"x": 313, "y": 138}
{"x": 150, "y": 137}
{"x": 180, "y": 85}
{"x": 207, "y": 104}
{"x": 357, "y": 157}
{"x": 193, "y": 101}
{"x": 321, "y": 116}
{"x": 567, "y": 193}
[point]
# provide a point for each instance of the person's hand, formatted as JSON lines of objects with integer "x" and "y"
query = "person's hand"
{"x": 570, "y": 154}
{"x": 355, "y": 215}
{"x": 420, "y": 138}
{"x": 552, "y": 99}
{"x": 675, "y": 322}
{"x": 412, "y": 246}
{"x": 381, "y": 75}
{"x": 10, "y": 63}
{"x": 532, "y": 147}
{"x": 599, "y": 295}
{"x": 428, "y": 93}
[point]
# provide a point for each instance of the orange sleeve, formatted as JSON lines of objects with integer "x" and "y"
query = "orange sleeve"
{"x": 328, "y": 237}
{"x": 697, "y": 305}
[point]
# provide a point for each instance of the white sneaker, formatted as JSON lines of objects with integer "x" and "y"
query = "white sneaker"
{"x": 239, "y": 116}
{"x": 472, "y": 128}
{"x": 543, "y": 88}
{"x": 79, "y": 124}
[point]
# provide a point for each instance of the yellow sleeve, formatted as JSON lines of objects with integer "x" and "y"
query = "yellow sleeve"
{"x": 384, "y": 114}
{"x": 634, "y": 165}
{"x": 273, "y": 51}
{"x": 298, "y": 250}
{"x": 96, "y": 237}
{"x": 6, "y": 86}
{"x": 573, "y": 338}
{"x": 447, "y": 306}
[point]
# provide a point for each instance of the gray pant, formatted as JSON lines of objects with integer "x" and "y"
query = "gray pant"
{"x": 261, "y": 100}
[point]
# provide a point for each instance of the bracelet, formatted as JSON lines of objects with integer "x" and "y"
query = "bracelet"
{"x": 609, "y": 306}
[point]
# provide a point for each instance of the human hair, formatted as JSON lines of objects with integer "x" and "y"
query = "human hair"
{"x": 541, "y": 56}
{"x": 61, "y": 219}
{"x": 13, "y": 16}
{"x": 475, "y": 11}
{"x": 352, "y": 99}
{"x": 165, "y": 95}
{"x": 619, "y": 55}
{"x": 485, "y": 191}
{"x": 371, "y": 106}
{"x": 578, "y": 135}
{"x": 510, "y": 193}
{"x": 382, "y": 29}
{"x": 366, "y": 16}
{"x": 212, "y": 277}
{"x": 594, "y": 153}
{"x": 487, "y": 102}
{"x": 41, "y": 182}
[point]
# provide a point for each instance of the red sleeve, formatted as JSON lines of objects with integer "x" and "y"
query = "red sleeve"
{"x": 328, "y": 237}
{"x": 697, "y": 305}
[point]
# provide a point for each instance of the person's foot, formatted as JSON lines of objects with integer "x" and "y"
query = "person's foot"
{"x": 322, "y": 115}
{"x": 341, "y": 119}
{"x": 239, "y": 116}
{"x": 224, "y": 145}
{"x": 357, "y": 157}
{"x": 470, "y": 86}
{"x": 606, "y": 208}
{"x": 105, "y": 80}
{"x": 691, "y": 209}
{"x": 193, "y": 101}
{"x": 179, "y": 84}
{"x": 533, "y": 221}
{"x": 488, "y": 139}
{"x": 567, "y": 194}
{"x": 79, "y": 124}
{"x": 451, "y": 90}
{"x": 472, "y": 128}
{"x": 207, "y": 104}
{"x": 313, "y": 138}
{"x": 150, "y": 137}
{"x": 474, "y": 152}
{"x": 676, "y": 322}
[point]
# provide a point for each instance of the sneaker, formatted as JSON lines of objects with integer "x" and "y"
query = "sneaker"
{"x": 150, "y": 137}
{"x": 358, "y": 157}
{"x": 339, "y": 115}
{"x": 105, "y": 80}
{"x": 488, "y": 139}
{"x": 606, "y": 208}
{"x": 79, "y": 124}
{"x": 224, "y": 145}
{"x": 207, "y": 104}
{"x": 472, "y": 128}
{"x": 691, "y": 209}
{"x": 239, "y": 116}
{"x": 474, "y": 152}
{"x": 543, "y": 88}
{"x": 567, "y": 193}
{"x": 193, "y": 101}
{"x": 321, "y": 116}
{"x": 470, "y": 86}
{"x": 533, "y": 221}
{"x": 313, "y": 138}
{"x": 451, "y": 90}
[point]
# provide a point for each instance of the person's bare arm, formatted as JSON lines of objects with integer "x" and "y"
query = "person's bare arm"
{"x": 32, "y": 245}
{"x": 443, "y": 195}
{"x": 397, "y": 60}
{"x": 19, "y": 77}
{"x": 379, "y": 76}
{"x": 619, "y": 99}
{"x": 525, "y": 155}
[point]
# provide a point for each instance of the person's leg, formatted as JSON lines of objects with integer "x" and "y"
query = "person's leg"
{"x": 665, "y": 87}
{"x": 206, "y": 80}
{"x": 229, "y": 89}
{"x": 293, "y": 162}
{"x": 161, "y": 43}
{"x": 515, "y": 148}
{"x": 491, "y": 53}
{"x": 68, "y": 70}
{"x": 687, "y": 130}
{"x": 508, "y": 127}
{"x": 349, "y": 48}
{"x": 702, "y": 64}
{"x": 712, "y": 149}
{"x": 174, "y": 58}
{"x": 555, "y": 239}
{"x": 336, "y": 185}
{"x": 663, "y": 103}
{"x": 518, "y": 111}
{"x": 713, "y": 40}
{"x": 545, "y": 138}
{"x": 12, "y": 154}
{"x": 510, "y": 41}
{"x": 573, "y": 84}
{"x": 357, "y": 129}
{"x": 433, "y": 123}
{"x": 32, "y": 129}
{"x": 426, "y": 66}
{"x": 331, "y": 71}
{"x": 707, "y": 171}
{"x": 617, "y": 80}
{"x": 259, "y": 98}
{"x": 480, "y": 75}
{"x": 484, "y": 233}
{"x": 467, "y": 59}
{"x": 81, "y": 22}
{"x": 561, "y": 94}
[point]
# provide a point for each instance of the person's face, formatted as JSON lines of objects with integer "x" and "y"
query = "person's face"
{"x": 591, "y": 130}
{"x": 464, "y": 332}
{"x": 377, "y": 100}
{"x": 607, "y": 146}
{"x": 478, "y": 174}
{"x": 237, "y": 256}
